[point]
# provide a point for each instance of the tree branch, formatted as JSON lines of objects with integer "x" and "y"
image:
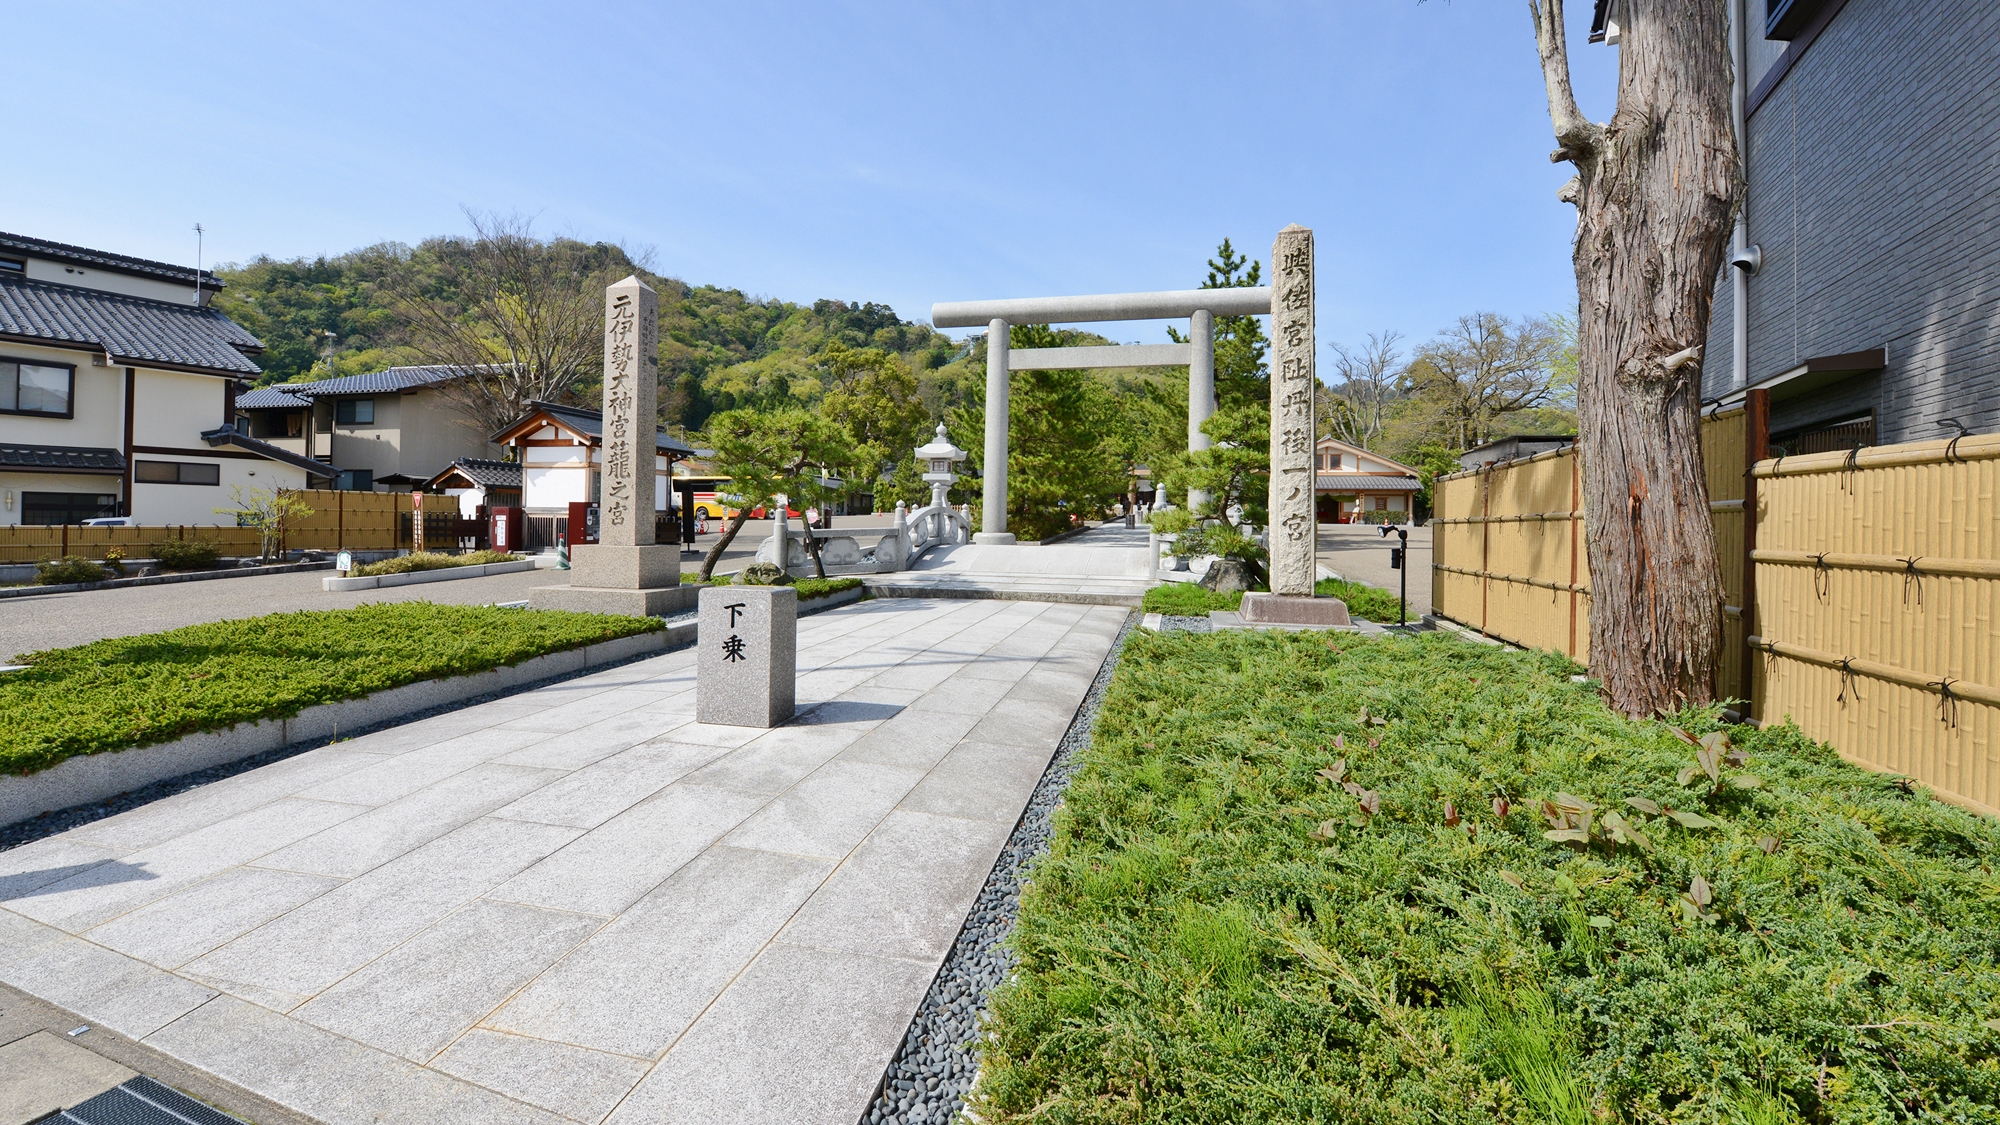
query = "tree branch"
{"x": 1574, "y": 132}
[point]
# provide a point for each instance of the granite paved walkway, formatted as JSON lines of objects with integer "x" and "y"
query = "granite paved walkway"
{"x": 576, "y": 904}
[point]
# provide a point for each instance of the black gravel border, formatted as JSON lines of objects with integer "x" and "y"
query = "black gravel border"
{"x": 62, "y": 820}
{"x": 927, "y": 1080}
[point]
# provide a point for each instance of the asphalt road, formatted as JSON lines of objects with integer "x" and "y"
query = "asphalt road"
{"x": 61, "y": 620}
{"x": 1358, "y": 553}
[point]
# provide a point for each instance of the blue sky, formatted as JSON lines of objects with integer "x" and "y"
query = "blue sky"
{"x": 903, "y": 153}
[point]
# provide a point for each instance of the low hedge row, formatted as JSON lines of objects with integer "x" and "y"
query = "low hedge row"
{"x": 1305, "y": 878}
{"x": 134, "y": 691}
{"x": 1186, "y": 599}
{"x": 430, "y": 560}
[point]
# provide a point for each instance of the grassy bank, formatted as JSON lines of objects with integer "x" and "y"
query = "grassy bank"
{"x": 1185, "y": 599}
{"x": 1302, "y": 878}
{"x": 134, "y": 691}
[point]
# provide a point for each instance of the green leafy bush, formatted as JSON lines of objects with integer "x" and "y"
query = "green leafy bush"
{"x": 1185, "y": 599}
{"x": 763, "y": 574}
{"x": 431, "y": 560}
{"x": 68, "y": 569}
{"x": 186, "y": 554}
{"x": 1325, "y": 878}
{"x": 1365, "y": 603}
{"x": 810, "y": 588}
{"x": 134, "y": 691}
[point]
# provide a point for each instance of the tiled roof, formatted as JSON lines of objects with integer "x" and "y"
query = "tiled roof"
{"x": 387, "y": 381}
{"x": 61, "y": 458}
{"x": 485, "y": 474}
{"x": 227, "y": 435}
{"x": 273, "y": 397}
{"x": 591, "y": 424}
{"x": 103, "y": 259}
{"x": 132, "y": 329}
{"x": 1365, "y": 482}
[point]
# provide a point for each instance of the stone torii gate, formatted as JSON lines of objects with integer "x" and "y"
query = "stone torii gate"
{"x": 1199, "y": 306}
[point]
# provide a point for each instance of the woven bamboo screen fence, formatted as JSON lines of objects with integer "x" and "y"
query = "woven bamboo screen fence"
{"x": 31, "y": 543}
{"x": 1878, "y": 608}
{"x": 358, "y": 521}
{"x": 1872, "y": 580}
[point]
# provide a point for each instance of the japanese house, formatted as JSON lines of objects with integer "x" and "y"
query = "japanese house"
{"x": 478, "y": 484}
{"x": 1352, "y": 482}
{"x": 559, "y": 449}
{"x": 118, "y": 388}
{"x": 388, "y": 430}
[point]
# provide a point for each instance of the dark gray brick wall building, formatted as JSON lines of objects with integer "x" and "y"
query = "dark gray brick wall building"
{"x": 1874, "y": 193}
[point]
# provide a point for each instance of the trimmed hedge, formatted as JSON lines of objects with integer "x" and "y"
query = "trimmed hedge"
{"x": 810, "y": 588}
{"x": 430, "y": 560}
{"x": 1313, "y": 878}
{"x": 135, "y": 691}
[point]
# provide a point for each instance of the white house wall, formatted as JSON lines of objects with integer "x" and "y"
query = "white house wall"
{"x": 172, "y": 409}
{"x": 556, "y": 487}
{"x": 98, "y": 402}
{"x": 12, "y": 485}
{"x": 196, "y": 503}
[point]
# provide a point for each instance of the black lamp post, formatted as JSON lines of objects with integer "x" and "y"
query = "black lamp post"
{"x": 1398, "y": 556}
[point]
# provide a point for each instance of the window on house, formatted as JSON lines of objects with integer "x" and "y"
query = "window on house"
{"x": 176, "y": 472}
{"x": 13, "y": 265}
{"x": 36, "y": 388}
{"x": 354, "y": 412}
{"x": 47, "y": 509}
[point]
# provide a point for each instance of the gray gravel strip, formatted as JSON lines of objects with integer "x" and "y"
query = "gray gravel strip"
{"x": 1172, "y": 624}
{"x": 934, "y": 1068}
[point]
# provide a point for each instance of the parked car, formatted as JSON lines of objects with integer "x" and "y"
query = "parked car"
{"x": 112, "y": 521}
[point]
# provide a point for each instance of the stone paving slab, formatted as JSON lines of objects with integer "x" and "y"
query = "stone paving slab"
{"x": 576, "y": 904}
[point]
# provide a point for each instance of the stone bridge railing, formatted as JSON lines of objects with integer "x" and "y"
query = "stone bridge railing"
{"x": 901, "y": 544}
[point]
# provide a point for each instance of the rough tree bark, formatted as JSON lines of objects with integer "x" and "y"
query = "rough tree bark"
{"x": 1655, "y": 189}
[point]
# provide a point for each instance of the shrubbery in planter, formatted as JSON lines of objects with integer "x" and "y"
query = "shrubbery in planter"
{"x": 430, "y": 560}
{"x": 68, "y": 569}
{"x": 186, "y": 554}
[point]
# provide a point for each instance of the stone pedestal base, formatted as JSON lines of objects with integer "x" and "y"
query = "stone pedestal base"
{"x": 994, "y": 537}
{"x": 747, "y": 671}
{"x": 625, "y": 568}
{"x": 1306, "y": 612}
{"x": 607, "y": 599}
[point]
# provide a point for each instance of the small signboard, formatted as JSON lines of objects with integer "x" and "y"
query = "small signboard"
{"x": 344, "y": 562}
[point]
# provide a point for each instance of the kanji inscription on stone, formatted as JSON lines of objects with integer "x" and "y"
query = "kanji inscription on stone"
{"x": 746, "y": 673}
{"x": 631, "y": 398}
{"x": 1294, "y": 383}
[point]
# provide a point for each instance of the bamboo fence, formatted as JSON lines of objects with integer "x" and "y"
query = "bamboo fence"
{"x": 1861, "y": 589}
{"x": 359, "y": 521}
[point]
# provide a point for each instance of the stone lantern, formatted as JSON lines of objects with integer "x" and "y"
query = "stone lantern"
{"x": 938, "y": 458}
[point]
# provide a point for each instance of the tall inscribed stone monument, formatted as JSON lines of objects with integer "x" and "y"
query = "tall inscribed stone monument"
{"x": 1294, "y": 530}
{"x": 625, "y": 571}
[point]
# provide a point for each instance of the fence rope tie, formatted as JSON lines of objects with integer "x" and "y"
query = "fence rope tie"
{"x": 1912, "y": 574}
{"x": 1848, "y": 467}
{"x": 1947, "y": 701}
{"x": 1951, "y": 447}
{"x": 1822, "y": 577}
{"x": 1847, "y": 681}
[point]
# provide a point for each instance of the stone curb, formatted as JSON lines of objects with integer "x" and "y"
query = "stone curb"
{"x": 93, "y": 777}
{"x": 164, "y": 579}
{"x": 1067, "y": 597}
{"x": 418, "y": 577}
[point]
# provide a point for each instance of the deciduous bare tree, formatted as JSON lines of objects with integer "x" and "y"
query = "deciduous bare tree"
{"x": 521, "y": 316}
{"x": 1654, "y": 190}
{"x": 1480, "y": 369}
{"x": 1365, "y": 383}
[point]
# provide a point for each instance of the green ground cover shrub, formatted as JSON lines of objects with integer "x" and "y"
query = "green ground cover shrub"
{"x": 186, "y": 554}
{"x": 1186, "y": 599}
{"x": 430, "y": 560}
{"x": 1302, "y": 877}
{"x": 69, "y": 568}
{"x": 134, "y": 691}
{"x": 809, "y": 588}
{"x": 1365, "y": 603}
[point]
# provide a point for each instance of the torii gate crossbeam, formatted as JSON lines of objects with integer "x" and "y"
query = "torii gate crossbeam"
{"x": 1199, "y": 306}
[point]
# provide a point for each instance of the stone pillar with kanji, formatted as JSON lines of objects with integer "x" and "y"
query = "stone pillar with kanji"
{"x": 1293, "y": 531}
{"x": 625, "y": 571}
{"x": 747, "y": 672}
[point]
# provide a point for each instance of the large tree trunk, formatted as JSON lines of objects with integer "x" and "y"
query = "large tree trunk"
{"x": 1655, "y": 190}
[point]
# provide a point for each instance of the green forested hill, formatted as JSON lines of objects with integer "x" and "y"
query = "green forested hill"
{"x": 719, "y": 348}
